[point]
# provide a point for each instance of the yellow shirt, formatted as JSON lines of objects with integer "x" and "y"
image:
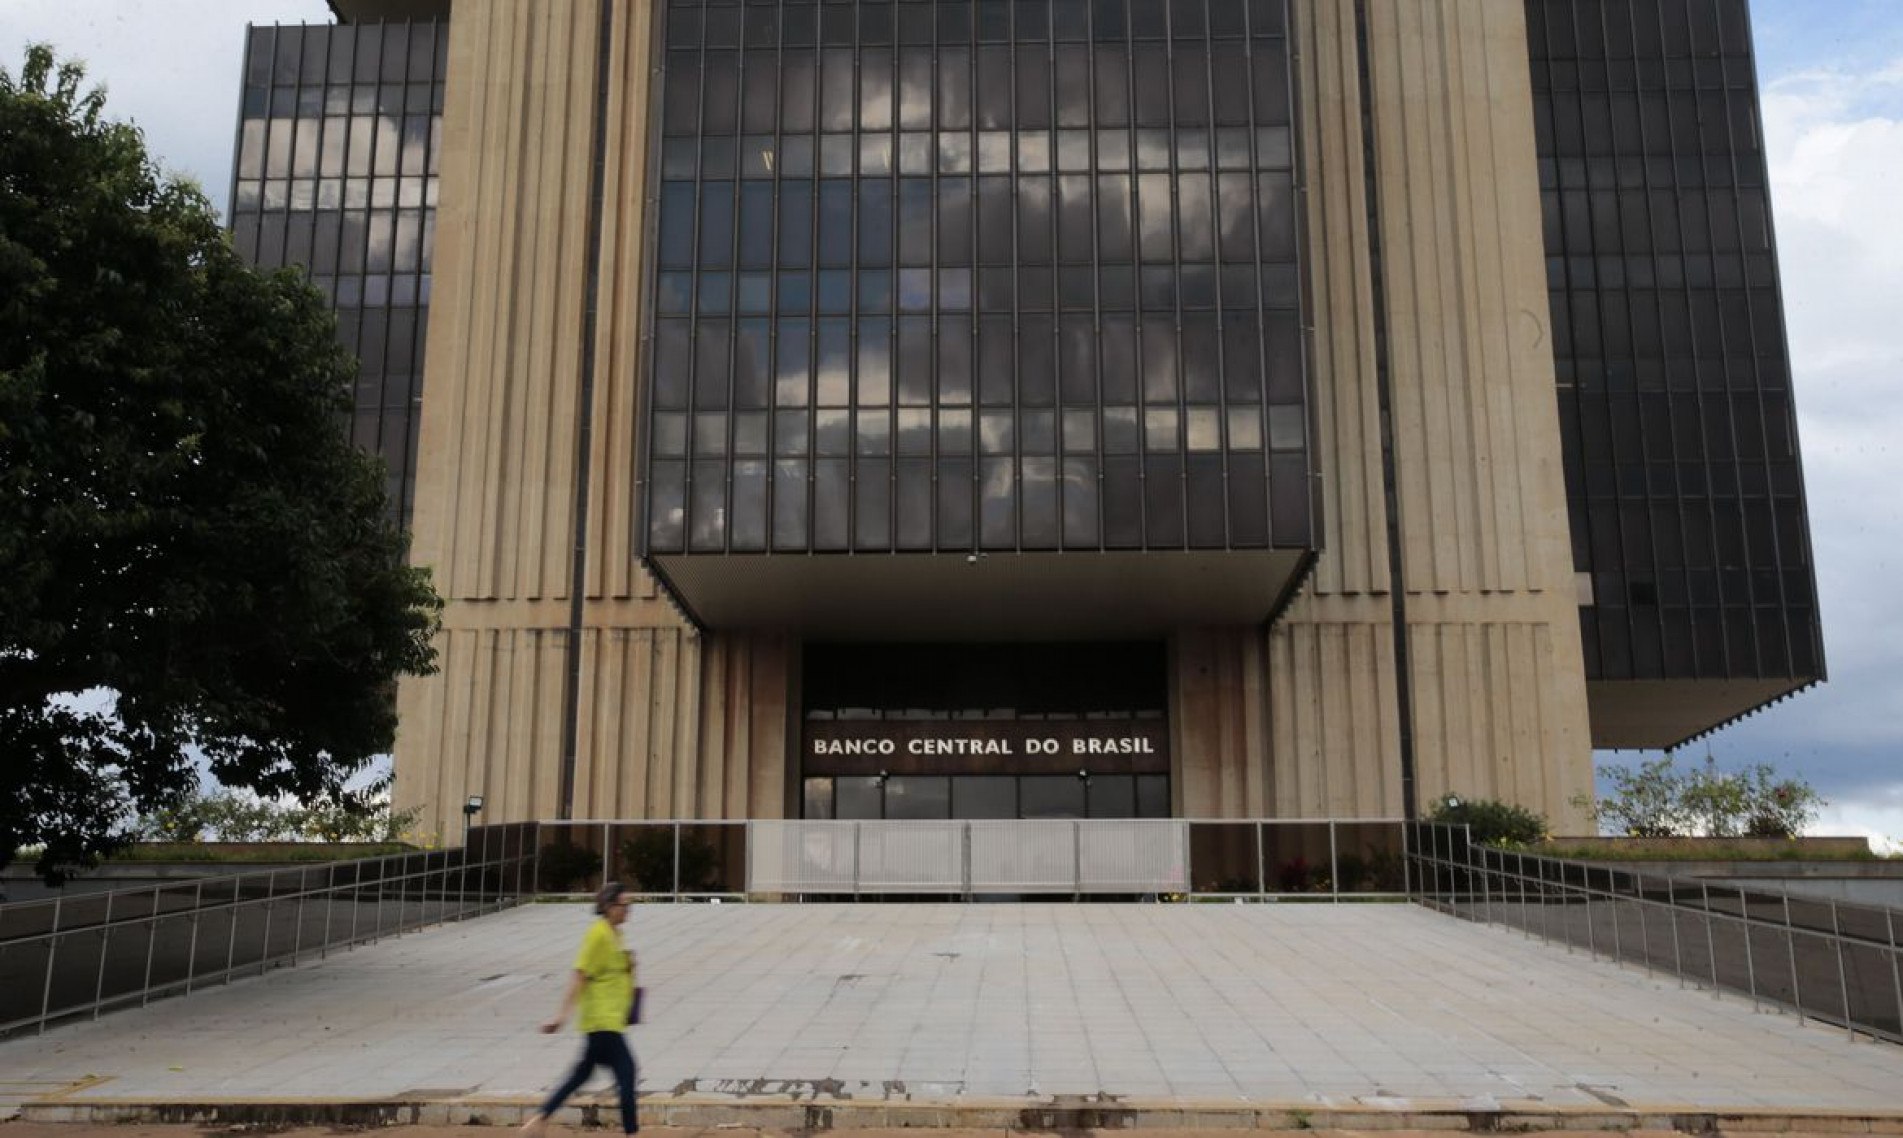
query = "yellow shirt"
{"x": 609, "y": 969}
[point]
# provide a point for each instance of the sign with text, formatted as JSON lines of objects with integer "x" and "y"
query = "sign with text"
{"x": 985, "y": 746}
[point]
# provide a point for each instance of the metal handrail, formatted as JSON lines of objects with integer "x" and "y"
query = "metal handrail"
{"x": 177, "y": 936}
{"x": 199, "y": 884}
{"x": 40, "y": 984}
{"x": 1553, "y": 897}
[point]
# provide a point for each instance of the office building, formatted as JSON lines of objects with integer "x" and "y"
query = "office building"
{"x": 1031, "y": 408}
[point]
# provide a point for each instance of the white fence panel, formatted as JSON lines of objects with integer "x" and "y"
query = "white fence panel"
{"x": 1133, "y": 856}
{"x": 800, "y": 857}
{"x": 912, "y": 857}
{"x": 1029, "y": 856}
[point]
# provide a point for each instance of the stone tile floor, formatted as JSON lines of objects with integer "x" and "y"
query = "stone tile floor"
{"x": 1213, "y": 1005}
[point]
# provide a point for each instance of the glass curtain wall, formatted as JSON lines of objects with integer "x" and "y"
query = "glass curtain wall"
{"x": 336, "y": 172}
{"x": 955, "y": 275}
{"x": 1686, "y": 496}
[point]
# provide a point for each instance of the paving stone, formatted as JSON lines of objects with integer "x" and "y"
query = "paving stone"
{"x": 1262, "y": 1012}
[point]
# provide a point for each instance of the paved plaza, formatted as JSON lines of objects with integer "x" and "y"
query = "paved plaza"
{"x": 1295, "y": 1008}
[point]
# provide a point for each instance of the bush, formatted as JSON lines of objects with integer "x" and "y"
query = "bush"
{"x": 562, "y": 866}
{"x": 1659, "y": 801}
{"x": 1490, "y": 822}
{"x": 648, "y": 858}
{"x": 1777, "y": 808}
{"x": 1646, "y": 803}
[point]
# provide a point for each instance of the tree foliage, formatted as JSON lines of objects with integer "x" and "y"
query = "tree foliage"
{"x": 1657, "y": 800}
{"x": 225, "y": 815}
{"x": 183, "y": 524}
{"x": 1647, "y": 802}
{"x": 1491, "y": 822}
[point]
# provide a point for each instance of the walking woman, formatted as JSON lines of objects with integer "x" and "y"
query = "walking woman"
{"x": 602, "y": 985}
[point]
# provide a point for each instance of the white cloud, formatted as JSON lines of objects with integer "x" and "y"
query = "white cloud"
{"x": 171, "y": 68}
{"x": 1834, "y": 141}
{"x": 1876, "y": 815}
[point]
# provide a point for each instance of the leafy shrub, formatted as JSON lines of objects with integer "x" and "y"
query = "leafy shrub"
{"x": 562, "y": 866}
{"x": 1659, "y": 801}
{"x": 1378, "y": 871}
{"x": 1645, "y": 803}
{"x": 1491, "y": 822}
{"x": 1297, "y": 875}
{"x": 1777, "y": 808}
{"x": 648, "y": 858}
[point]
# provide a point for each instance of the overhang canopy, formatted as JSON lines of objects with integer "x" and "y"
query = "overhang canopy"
{"x": 984, "y": 596}
{"x": 1648, "y": 714}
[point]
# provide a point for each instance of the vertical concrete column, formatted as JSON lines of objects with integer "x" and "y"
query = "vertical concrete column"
{"x": 1218, "y": 723}
{"x": 670, "y": 722}
{"x": 1494, "y": 667}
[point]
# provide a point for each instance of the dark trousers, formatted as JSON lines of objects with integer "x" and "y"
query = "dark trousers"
{"x": 603, "y": 1049}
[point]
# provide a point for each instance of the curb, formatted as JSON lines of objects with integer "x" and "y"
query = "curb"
{"x": 1061, "y": 1113}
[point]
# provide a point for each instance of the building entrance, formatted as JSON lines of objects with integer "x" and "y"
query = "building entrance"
{"x": 940, "y": 731}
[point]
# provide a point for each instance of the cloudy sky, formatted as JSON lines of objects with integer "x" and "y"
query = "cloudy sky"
{"x": 1833, "y": 111}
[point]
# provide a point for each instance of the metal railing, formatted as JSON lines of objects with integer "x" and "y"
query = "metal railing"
{"x": 1322, "y": 859}
{"x": 674, "y": 859}
{"x": 86, "y": 954}
{"x": 1827, "y": 960}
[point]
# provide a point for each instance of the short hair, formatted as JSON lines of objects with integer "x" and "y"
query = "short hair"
{"x": 608, "y": 895}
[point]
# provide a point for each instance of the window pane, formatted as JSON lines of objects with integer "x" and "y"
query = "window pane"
{"x": 1111, "y": 795}
{"x": 756, "y": 225}
{"x": 984, "y": 796}
{"x": 716, "y": 223}
{"x": 1114, "y": 216}
{"x": 875, "y": 221}
{"x": 832, "y": 371}
{"x": 835, "y": 222}
{"x": 796, "y": 223}
{"x": 874, "y": 387}
{"x": 677, "y": 224}
{"x": 1051, "y": 796}
{"x": 816, "y": 798}
{"x": 792, "y": 371}
{"x": 1153, "y": 209}
{"x": 918, "y": 796}
{"x": 859, "y": 798}
{"x": 915, "y": 89}
{"x": 998, "y": 504}
{"x": 954, "y": 363}
{"x": 789, "y": 505}
{"x": 875, "y": 90}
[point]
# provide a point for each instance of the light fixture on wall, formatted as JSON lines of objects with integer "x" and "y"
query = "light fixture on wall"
{"x": 472, "y": 806}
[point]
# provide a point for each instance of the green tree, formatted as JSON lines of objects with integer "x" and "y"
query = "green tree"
{"x": 1644, "y": 803}
{"x": 1659, "y": 801}
{"x": 1777, "y": 807}
{"x": 183, "y": 524}
{"x": 224, "y": 815}
{"x": 1714, "y": 802}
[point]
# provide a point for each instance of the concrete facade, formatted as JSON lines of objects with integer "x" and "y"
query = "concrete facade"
{"x": 1453, "y": 434}
{"x": 1297, "y": 719}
